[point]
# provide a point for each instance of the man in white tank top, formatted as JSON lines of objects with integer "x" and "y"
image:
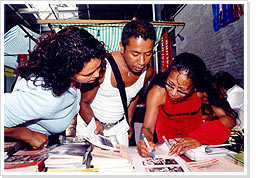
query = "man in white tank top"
{"x": 104, "y": 102}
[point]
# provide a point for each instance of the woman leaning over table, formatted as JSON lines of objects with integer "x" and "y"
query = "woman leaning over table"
{"x": 174, "y": 108}
{"x": 47, "y": 96}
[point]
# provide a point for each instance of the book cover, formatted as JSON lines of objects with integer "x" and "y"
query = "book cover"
{"x": 237, "y": 158}
{"x": 23, "y": 158}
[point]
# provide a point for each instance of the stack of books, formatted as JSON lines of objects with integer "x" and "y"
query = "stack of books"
{"x": 66, "y": 156}
{"x": 111, "y": 160}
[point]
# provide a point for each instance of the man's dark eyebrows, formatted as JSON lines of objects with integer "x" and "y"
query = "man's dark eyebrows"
{"x": 133, "y": 51}
{"x": 150, "y": 51}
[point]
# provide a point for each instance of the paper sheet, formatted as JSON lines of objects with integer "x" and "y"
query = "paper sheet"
{"x": 98, "y": 140}
{"x": 162, "y": 162}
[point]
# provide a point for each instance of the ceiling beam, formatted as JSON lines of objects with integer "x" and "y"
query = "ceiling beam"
{"x": 163, "y": 23}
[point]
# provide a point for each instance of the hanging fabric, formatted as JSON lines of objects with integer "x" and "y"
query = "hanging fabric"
{"x": 224, "y": 14}
{"x": 237, "y": 11}
{"x": 110, "y": 34}
{"x": 165, "y": 51}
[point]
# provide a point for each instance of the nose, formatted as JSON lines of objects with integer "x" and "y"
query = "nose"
{"x": 96, "y": 74}
{"x": 141, "y": 60}
{"x": 174, "y": 92}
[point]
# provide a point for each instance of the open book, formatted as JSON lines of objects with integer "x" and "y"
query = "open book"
{"x": 99, "y": 140}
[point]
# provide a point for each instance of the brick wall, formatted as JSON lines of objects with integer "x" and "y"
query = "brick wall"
{"x": 221, "y": 50}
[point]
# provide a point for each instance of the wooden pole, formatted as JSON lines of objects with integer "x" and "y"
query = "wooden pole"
{"x": 162, "y": 23}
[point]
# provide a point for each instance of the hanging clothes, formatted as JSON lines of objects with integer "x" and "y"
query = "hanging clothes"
{"x": 224, "y": 14}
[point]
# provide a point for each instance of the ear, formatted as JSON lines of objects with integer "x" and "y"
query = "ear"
{"x": 121, "y": 47}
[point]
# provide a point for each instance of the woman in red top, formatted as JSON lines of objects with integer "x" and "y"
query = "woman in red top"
{"x": 175, "y": 109}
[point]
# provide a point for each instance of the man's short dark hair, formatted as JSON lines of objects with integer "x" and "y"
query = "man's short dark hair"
{"x": 137, "y": 29}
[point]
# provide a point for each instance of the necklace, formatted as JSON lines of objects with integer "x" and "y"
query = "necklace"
{"x": 129, "y": 73}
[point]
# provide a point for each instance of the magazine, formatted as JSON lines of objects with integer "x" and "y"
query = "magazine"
{"x": 99, "y": 140}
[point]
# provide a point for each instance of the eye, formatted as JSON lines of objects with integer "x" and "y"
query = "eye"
{"x": 135, "y": 54}
{"x": 148, "y": 54}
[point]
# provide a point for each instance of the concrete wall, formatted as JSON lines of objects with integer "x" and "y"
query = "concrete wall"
{"x": 221, "y": 50}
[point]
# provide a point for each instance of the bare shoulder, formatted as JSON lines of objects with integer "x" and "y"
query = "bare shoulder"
{"x": 157, "y": 94}
{"x": 116, "y": 55}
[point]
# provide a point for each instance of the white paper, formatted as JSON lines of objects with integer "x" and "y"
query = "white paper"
{"x": 162, "y": 162}
{"x": 98, "y": 140}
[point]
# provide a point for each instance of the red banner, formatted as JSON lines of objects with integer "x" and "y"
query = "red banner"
{"x": 165, "y": 51}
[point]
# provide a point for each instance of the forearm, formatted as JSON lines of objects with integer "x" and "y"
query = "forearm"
{"x": 227, "y": 121}
{"x": 20, "y": 133}
{"x": 86, "y": 112}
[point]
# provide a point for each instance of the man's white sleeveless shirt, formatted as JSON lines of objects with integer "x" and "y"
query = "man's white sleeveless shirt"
{"x": 107, "y": 104}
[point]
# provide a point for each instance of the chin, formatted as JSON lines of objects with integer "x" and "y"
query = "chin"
{"x": 177, "y": 100}
{"x": 137, "y": 72}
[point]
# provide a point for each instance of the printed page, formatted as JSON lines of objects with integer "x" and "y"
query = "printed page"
{"x": 162, "y": 162}
{"x": 98, "y": 140}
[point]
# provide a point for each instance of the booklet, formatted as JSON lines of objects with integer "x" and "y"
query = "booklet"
{"x": 99, "y": 140}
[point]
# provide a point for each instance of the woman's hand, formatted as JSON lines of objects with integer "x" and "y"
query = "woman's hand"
{"x": 143, "y": 150}
{"x": 37, "y": 140}
{"x": 184, "y": 145}
{"x": 99, "y": 128}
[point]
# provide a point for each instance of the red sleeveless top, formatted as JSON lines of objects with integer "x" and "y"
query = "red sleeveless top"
{"x": 180, "y": 119}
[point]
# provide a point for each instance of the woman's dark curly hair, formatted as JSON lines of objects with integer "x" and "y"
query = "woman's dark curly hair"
{"x": 58, "y": 58}
{"x": 137, "y": 28}
{"x": 196, "y": 70}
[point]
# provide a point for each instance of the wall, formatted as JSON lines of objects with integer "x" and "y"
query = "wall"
{"x": 221, "y": 50}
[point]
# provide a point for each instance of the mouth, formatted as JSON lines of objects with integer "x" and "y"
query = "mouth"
{"x": 137, "y": 69}
{"x": 91, "y": 81}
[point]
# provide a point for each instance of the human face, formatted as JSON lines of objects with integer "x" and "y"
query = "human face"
{"x": 137, "y": 54}
{"x": 179, "y": 86}
{"x": 90, "y": 71}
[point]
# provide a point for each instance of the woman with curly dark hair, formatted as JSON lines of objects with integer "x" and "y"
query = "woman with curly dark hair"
{"x": 46, "y": 97}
